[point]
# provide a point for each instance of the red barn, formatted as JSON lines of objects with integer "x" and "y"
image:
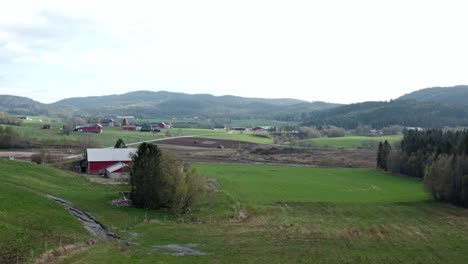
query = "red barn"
{"x": 99, "y": 159}
{"x": 129, "y": 127}
{"x": 97, "y": 128}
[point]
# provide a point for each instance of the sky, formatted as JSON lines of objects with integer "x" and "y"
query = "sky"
{"x": 336, "y": 51}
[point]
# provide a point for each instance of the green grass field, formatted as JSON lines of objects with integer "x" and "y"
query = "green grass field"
{"x": 246, "y": 136}
{"x": 33, "y": 132}
{"x": 296, "y": 215}
{"x": 352, "y": 141}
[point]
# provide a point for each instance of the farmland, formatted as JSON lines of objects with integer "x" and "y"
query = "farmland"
{"x": 295, "y": 215}
{"x": 351, "y": 141}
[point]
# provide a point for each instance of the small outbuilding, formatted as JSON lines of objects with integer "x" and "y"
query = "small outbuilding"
{"x": 108, "y": 122}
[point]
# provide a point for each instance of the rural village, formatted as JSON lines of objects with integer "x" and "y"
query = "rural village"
{"x": 245, "y": 132}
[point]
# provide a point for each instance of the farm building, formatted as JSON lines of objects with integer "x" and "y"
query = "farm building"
{"x": 97, "y": 128}
{"x": 130, "y": 127}
{"x": 108, "y": 160}
{"x": 164, "y": 125}
{"x": 108, "y": 122}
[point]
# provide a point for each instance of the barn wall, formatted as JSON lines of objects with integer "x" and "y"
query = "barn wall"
{"x": 97, "y": 167}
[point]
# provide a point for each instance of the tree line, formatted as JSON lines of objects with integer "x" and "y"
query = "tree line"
{"x": 439, "y": 157}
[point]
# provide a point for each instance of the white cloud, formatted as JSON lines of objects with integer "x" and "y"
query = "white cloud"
{"x": 340, "y": 51}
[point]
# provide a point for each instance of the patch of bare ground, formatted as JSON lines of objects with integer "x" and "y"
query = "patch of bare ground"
{"x": 193, "y": 149}
{"x": 350, "y": 158}
{"x": 58, "y": 254}
{"x": 103, "y": 180}
{"x": 208, "y": 143}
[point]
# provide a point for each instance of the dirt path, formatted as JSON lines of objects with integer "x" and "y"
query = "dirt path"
{"x": 99, "y": 230}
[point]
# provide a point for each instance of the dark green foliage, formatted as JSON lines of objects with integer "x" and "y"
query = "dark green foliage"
{"x": 120, "y": 144}
{"x": 146, "y": 176}
{"x": 446, "y": 95}
{"x": 158, "y": 180}
{"x": 446, "y": 179}
{"x": 408, "y": 113}
{"x": 437, "y": 156}
{"x": 9, "y": 138}
{"x": 382, "y": 155}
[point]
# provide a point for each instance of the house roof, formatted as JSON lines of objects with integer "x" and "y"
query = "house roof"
{"x": 110, "y": 154}
{"x": 116, "y": 166}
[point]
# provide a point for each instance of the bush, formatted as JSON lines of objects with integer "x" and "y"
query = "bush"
{"x": 8, "y": 119}
{"x": 333, "y": 131}
{"x": 9, "y": 138}
{"x": 392, "y": 130}
{"x": 310, "y": 132}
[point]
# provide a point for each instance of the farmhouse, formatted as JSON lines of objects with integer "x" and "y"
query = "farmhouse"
{"x": 97, "y": 128}
{"x": 130, "y": 127}
{"x": 110, "y": 160}
{"x": 108, "y": 122}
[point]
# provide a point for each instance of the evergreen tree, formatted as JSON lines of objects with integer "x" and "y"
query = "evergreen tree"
{"x": 380, "y": 155}
{"x": 145, "y": 175}
{"x": 120, "y": 144}
{"x": 386, "y": 149}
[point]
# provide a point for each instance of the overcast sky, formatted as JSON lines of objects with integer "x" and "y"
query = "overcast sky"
{"x": 336, "y": 50}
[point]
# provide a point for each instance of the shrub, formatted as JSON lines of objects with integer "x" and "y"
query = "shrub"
{"x": 158, "y": 180}
{"x": 333, "y": 131}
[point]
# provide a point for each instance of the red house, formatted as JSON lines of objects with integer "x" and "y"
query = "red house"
{"x": 99, "y": 159}
{"x": 97, "y": 128}
{"x": 129, "y": 127}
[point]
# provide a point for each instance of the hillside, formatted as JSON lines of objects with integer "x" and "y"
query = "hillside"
{"x": 22, "y": 106}
{"x": 294, "y": 214}
{"x": 397, "y": 112}
{"x": 168, "y": 104}
{"x": 445, "y": 95}
{"x": 146, "y": 104}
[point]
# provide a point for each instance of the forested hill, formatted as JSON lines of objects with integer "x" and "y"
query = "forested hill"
{"x": 444, "y": 95}
{"x": 168, "y": 104}
{"x": 397, "y": 112}
{"x": 22, "y": 106}
{"x": 164, "y": 104}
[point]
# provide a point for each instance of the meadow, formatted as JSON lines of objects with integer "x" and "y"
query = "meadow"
{"x": 294, "y": 215}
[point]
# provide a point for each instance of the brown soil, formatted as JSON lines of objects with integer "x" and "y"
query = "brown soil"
{"x": 208, "y": 143}
{"x": 196, "y": 149}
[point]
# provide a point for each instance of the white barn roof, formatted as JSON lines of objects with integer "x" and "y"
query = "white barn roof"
{"x": 110, "y": 154}
{"x": 115, "y": 167}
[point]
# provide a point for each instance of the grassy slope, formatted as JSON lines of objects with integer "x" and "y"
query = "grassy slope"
{"x": 28, "y": 219}
{"x": 315, "y": 216}
{"x": 297, "y": 215}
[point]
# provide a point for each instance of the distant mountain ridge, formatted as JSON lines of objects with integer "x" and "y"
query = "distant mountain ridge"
{"x": 165, "y": 104}
{"x": 408, "y": 113}
{"x": 445, "y": 95}
{"x": 430, "y": 108}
